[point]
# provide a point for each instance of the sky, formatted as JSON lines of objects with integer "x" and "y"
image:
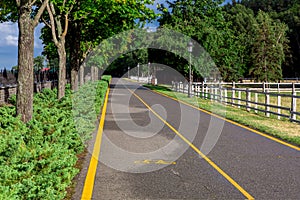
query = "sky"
{"x": 9, "y": 41}
{"x": 9, "y": 44}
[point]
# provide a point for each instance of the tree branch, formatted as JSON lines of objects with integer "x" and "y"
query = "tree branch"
{"x": 45, "y": 22}
{"x": 40, "y": 12}
{"x": 32, "y": 3}
{"x": 66, "y": 26}
{"x": 18, "y": 2}
{"x": 57, "y": 19}
{"x": 52, "y": 25}
{"x": 67, "y": 22}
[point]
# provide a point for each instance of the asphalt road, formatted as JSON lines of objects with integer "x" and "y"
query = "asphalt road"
{"x": 154, "y": 147}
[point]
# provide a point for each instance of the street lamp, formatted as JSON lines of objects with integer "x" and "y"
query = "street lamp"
{"x": 190, "y": 50}
{"x": 128, "y": 72}
{"x": 148, "y": 72}
{"x": 138, "y": 66}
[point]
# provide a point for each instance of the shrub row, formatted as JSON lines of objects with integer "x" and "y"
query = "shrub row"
{"x": 37, "y": 159}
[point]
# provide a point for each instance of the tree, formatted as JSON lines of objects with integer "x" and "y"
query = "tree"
{"x": 57, "y": 19}
{"x": 27, "y": 13}
{"x": 241, "y": 20}
{"x": 38, "y": 63}
{"x": 26, "y": 24}
{"x": 204, "y": 21}
{"x": 4, "y": 74}
{"x": 287, "y": 11}
{"x": 268, "y": 48}
{"x": 94, "y": 21}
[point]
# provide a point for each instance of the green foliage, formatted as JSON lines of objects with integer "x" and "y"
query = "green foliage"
{"x": 38, "y": 63}
{"x": 268, "y": 48}
{"x": 233, "y": 35}
{"x": 289, "y": 13}
{"x": 13, "y": 100}
{"x": 37, "y": 159}
{"x": 87, "y": 102}
{"x": 204, "y": 21}
{"x": 92, "y": 21}
{"x": 106, "y": 78}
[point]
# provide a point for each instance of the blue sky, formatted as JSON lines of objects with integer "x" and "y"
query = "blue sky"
{"x": 9, "y": 41}
{"x": 9, "y": 44}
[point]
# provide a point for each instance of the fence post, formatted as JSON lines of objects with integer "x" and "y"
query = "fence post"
{"x": 216, "y": 93}
{"x": 225, "y": 95}
{"x": 202, "y": 90}
{"x": 278, "y": 101}
{"x": 256, "y": 100}
{"x": 206, "y": 91}
{"x": 293, "y": 103}
{"x": 267, "y": 102}
{"x": 211, "y": 92}
{"x": 233, "y": 93}
{"x": 248, "y": 96}
{"x": 279, "y": 104}
{"x": 239, "y": 98}
{"x": 221, "y": 92}
{"x": 194, "y": 89}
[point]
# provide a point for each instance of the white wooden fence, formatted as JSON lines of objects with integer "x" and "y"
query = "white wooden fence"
{"x": 278, "y": 99}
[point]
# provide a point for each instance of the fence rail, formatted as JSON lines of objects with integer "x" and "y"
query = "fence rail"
{"x": 279, "y": 99}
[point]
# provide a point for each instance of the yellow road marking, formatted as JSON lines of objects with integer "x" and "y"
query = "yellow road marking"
{"x": 158, "y": 162}
{"x": 90, "y": 177}
{"x": 232, "y": 122}
{"x": 216, "y": 167}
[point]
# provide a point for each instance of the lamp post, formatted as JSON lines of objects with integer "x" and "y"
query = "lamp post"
{"x": 128, "y": 72}
{"x": 190, "y": 50}
{"x": 138, "y": 66}
{"x": 148, "y": 72}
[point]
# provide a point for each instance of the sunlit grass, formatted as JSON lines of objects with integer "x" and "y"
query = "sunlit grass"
{"x": 283, "y": 129}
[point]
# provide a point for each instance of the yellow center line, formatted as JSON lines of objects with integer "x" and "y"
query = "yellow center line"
{"x": 232, "y": 122}
{"x": 215, "y": 166}
{"x": 90, "y": 177}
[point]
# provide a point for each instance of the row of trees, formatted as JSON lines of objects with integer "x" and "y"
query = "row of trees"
{"x": 249, "y": 38}
{"x": 73, "y": 28}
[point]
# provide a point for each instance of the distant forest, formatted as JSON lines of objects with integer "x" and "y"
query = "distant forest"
{"x": 256, "y": 39}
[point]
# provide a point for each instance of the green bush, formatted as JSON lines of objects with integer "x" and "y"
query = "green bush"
{"x": 106, "y": 78}
{"x": 37, "y": 159}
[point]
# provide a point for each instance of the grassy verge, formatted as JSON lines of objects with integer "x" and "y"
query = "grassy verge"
{"x": 284, "y": 130}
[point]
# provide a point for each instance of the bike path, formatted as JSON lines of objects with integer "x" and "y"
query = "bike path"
{"x": 258, "y": 167}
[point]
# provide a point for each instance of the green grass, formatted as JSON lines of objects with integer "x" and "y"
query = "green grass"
{"x": 282, "y": 129}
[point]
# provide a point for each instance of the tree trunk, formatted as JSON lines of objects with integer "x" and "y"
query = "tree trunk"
{"x": 62, "y": 69}
{"x": 82, "y": 74}
{"x": 74, "y": 79}
{"x": 25, "y": 63}
{"x": 75, "y": 54}
{"x": 93, "y": 73}
{"x": 96, "y": 73}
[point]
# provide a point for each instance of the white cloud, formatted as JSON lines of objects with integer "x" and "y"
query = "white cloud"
{"x": 9, "y": 35}
{"x": 8, "y": 32}
{"x": 9, "y": 43}
{"x": 11, "y": 40}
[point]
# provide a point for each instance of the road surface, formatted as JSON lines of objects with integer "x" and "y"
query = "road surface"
{"x": 153, "y": 147}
